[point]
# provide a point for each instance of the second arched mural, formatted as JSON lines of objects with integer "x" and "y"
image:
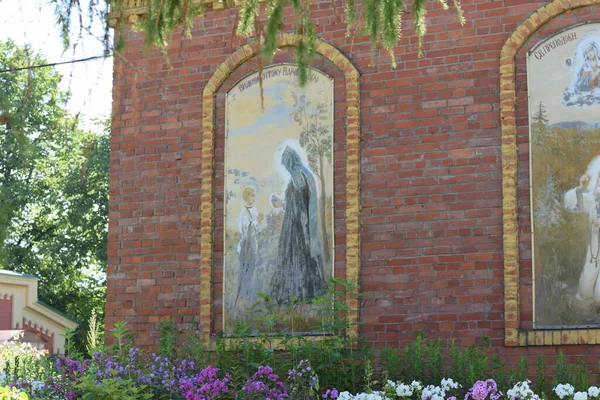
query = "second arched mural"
{"x": 564, "y": 118}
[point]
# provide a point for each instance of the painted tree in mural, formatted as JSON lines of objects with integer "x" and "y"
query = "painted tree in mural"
{"x": 539, "y": 123}
{"x": 317, "y": 141}
{"x": 549, "y": 209}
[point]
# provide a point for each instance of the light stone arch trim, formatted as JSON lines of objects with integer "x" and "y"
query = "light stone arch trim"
{"x": 513, "y": 335}
{"x": 352, "y": 78}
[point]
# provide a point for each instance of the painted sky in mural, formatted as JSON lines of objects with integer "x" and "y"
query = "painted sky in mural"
{"x": 564, "y": 120}
{"x": 279, "y": 192}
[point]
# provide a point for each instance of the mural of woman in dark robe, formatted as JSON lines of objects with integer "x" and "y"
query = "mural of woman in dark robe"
{"x": 299, "y": 271}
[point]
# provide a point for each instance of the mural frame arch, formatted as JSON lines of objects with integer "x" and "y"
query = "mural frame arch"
{"x": 515, "y": 335}
{"x": 207, "y": 202}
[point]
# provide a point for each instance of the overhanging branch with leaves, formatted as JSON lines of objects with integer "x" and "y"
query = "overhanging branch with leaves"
{"x": 380, "y": 20}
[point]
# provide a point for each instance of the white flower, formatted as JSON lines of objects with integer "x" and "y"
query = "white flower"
{"x": 580, "y": 396}
{"x": 416, "y": 385}
{"x": 522, "y": 391}
{"x": 376, "y": 396}
{"x": 432, "y": 392}
{"x": 593, "y": 391}
{"x": 563, "y": 391}
{"x": 448, "y": 383}
{"x": 345, "y": 396}
{"x": 369, "y": 396}
{"x": 403, "y": 390}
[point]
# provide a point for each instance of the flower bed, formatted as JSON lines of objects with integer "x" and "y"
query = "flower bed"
{"x": 130, "y": 374}
{"x": 250, "y": 366}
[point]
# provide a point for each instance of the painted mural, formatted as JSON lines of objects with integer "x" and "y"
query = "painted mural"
{"x": 564, "y": 125}
{"x": 279, "y": 195}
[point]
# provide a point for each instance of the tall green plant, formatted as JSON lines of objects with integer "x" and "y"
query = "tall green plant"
{"x": 435, "y": 359}
{"x": 541, "y": 381}
{"x": 390, "y": 362}
{"x": 470, "y": 363}
{"x": 167, "y": 334}
{"x": 124, "y": 341}
{"x": 498, "y": 373}
{"x": 414, "y": 358}
{"x": 95, "y": 335}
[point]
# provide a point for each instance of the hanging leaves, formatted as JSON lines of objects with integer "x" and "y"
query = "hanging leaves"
{"x": 381, "y": 20}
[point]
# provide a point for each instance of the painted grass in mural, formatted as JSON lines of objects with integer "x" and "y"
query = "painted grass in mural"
{"x": 564, "y": 109}
{"x": 279, "y": 195}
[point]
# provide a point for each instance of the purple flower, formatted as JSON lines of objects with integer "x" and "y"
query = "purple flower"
{"x": 265, "y": 384}
{"x": 204, "y": 385}
{"x": 333, "y": 394}
{"x": 482, "y": 389}
{"x": 71, "y": 395}
{"x": 303, "y": 381}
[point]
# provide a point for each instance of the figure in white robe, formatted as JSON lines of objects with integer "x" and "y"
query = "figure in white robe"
{"x": 249, "y": 225}
{"x": 581, "y": 200}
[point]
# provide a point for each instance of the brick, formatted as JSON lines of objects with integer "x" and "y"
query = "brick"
{"x": 429, "y": 138}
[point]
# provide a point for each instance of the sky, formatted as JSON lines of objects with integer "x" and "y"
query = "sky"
{"x": 90, "y": 82}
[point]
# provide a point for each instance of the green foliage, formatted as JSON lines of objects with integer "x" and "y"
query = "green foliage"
{"x": 71, "y": 347}
{"x": 380, "y": 20}
{"x": 167, "y": 338}
{"x": 273, "y": 338}
{"x": 469, "y": 363}
{"x": 124, "y": 340}
{"x": 522, "y": 372}
{"x": 576, "y": 373}
{"x": 21, "y": 362}
{"x": 95, "y": 335}
{"x": 540, "y": 369}
{"x": 414, "y": 358}
{"x": 337, "y": 360}
{"x": 24, "y": 126}
{"x": 112, "y": 389}
{"x": 435, "y": 358}
{"x": 163, "y": 17}
{"x": 8, "y": 393}
{"x": 390, "y": 362}
{"x": 53, "y": 190}
{"x": 498, "y": 370}
{"x": 370, "y": 382}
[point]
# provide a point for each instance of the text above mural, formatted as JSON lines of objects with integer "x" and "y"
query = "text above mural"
{"x": 278, "y": 194}
{"x": 274, "y": 73}
{"x": 554, "y": 44}
{"x": 564, "y": 126}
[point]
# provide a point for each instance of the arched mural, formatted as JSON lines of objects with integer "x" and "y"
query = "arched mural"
{"x": 564, "y": 119}
{"x": 278, "y": 193}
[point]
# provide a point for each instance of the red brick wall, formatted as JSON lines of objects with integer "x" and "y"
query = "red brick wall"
{"x": 6, "y": 305}
{"x": 432, "y": 256}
